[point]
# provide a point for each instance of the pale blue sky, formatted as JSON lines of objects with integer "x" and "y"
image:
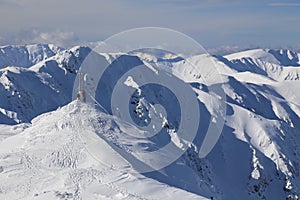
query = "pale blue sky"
{"x": 211, "y": 22}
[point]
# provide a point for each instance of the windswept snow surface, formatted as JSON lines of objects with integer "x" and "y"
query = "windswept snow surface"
{"x": 77, "y": 152}
{"x": 49, "y": 160}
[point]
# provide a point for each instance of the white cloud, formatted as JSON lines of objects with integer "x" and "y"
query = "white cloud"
{"x": 59, "y": 38}
{"x": 224, "y": 50}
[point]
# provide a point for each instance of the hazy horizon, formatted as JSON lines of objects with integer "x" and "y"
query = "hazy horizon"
{"x": 213, "y": 24}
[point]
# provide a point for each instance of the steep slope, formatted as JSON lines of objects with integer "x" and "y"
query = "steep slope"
{"x": 49, "y": 160}
{"x": 28, "y": 92}
{"x": 282, "y": 57}
{"x": 263, "y": 120}
{"x": 276, "y": 64}
{"x": 285, "y": 57}
{"x": 256, "y": 157}
{"x": 258, "y": 152}
{"x": 26, "y": 56}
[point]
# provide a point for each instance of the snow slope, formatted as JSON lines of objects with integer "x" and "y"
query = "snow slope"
{"x": 258, "y": 152}
{"x": 283, "y": 57}
{"x": 49, "y": 160}
{"x": 26, "y": 56}
{"x": 275, "y": 64}
{"x": 27, "y": 92}
{"x": 256, "y": 157}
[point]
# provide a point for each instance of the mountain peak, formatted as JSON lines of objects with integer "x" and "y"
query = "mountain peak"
{"x": 282, "y": 57}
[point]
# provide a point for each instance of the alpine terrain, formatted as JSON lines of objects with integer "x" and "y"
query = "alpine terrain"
{"x": 53, "y": 146}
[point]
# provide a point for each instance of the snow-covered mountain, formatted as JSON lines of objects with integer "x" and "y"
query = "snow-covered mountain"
{"x": 28, "y": 91}
{"x": 256, "y": 157}
{"x": 275, "y": 64}
{"x": 49, "y": 160}
{"x": 26, "y": 56}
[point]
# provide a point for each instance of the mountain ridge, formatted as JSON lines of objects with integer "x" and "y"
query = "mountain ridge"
{"x": 257, "y": 155}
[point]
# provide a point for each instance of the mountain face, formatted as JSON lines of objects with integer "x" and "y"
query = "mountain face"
{"x": 46, "y": 156}
{"x": 26, "y": 56}
{"x": 32, "y": 90}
